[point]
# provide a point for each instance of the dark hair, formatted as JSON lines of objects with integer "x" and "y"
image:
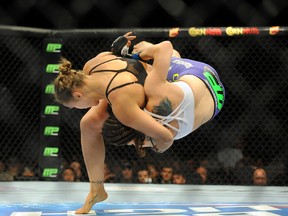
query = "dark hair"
{"x": 117, "y": 134}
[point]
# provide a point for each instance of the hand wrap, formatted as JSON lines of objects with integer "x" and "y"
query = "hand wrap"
{"x": 119, "y": 47}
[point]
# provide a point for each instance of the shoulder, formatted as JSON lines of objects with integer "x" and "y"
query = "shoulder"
{"x": 103, "y": 56}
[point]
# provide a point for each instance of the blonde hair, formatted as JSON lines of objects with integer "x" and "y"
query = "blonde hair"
{"x": 66, "y": 81}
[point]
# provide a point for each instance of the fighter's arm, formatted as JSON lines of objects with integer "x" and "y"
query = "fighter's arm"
{"x": 121, "y": 46}
{"x": 156, "y": 81}
{"x": 161, "y": 54}
{"x": 139, "y": 47}
{"x": 131, "y": 115}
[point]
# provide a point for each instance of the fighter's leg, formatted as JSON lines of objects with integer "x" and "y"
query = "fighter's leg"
{"x": 94, "y": 154}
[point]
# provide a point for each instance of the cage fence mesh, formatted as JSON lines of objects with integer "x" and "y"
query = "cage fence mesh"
{"x": 250, "y": 131}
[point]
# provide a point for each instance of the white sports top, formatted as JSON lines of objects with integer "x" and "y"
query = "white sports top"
{"x": 183, "y": 114}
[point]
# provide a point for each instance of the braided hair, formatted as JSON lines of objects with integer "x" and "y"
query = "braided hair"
{"x": 117, "y": 134}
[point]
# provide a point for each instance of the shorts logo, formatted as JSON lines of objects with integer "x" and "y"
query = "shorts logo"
{"x": 175, "y": 77}
{"x": 217, "y": 89}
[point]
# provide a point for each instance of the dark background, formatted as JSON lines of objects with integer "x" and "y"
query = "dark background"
{"x": 253, "y": 69}
{"x": 67, "y": 14}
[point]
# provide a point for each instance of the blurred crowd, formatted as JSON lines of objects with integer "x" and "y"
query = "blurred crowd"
{"x": 232, "y": 170}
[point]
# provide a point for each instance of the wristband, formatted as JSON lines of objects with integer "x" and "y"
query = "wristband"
{"x": 136, "y": 56}
{"x": 125, "y": 51}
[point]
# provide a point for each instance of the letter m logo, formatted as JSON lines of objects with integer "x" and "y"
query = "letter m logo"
{"x": 51, "y": 110}
{"x": 52, "y": 68}
{"x": 53, "y": 47}
{"x": 49, "y": 89}
{"x": 51, "y": 131}
{"x": 51, "y": 152}
{"x": 50, "y": 172}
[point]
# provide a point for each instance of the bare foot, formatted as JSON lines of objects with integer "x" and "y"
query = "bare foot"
{"x": 92, "y": 198}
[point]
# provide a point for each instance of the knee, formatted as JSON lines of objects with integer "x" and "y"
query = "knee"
{"x": 91, "y": 123}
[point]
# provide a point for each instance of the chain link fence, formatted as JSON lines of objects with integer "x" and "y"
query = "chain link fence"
{"x": 250, "y": 131}
{"x": 77, "y": 14}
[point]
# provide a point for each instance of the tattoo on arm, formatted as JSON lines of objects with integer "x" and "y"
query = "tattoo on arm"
{"x": 164, "y": 108}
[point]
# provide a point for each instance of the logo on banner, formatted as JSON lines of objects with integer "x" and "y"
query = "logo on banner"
{"x": 51, "y": 110}
{"x": 50, "y": 172}
{"x": 53, "y": 47}
{"x": 51, "y": 131}
{"x": 52, "y": 68}
{"x": 51, "y": 151}
{"x": 49, "y": 89}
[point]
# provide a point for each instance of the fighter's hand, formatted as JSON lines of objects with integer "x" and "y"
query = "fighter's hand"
{"x": 146, "y": 143}
{"x": 129, "y": 37}
{"x": 139, "y": 47}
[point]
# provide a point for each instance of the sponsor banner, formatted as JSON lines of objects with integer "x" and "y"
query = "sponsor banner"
{"x": 227, "y": 31}
{"x": 49, "y": 161}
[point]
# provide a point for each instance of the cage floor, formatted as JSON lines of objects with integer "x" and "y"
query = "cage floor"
{"x": 63, "y": 198}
